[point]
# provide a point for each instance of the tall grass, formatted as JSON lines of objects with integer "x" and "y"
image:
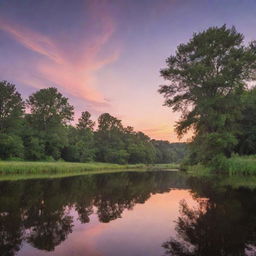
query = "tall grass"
{"x": 44, "y": 168}
{"x": 236, "y": 165}
{"x": 165, "y": 166}
{"x": 16, "y": 167}
{"x": 198, "y": 170}
{"x": 245, "y": 165}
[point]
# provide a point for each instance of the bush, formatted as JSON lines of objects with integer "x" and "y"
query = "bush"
{"x": 11, "y": 146}
{"x": 219, "y": 163}
{"x": 117, "y": 156}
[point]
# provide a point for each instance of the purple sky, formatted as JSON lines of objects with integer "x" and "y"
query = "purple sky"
{"x": 106, "y": 55}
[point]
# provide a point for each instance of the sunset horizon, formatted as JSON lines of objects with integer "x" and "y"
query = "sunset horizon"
{"x": 106, "y": 56}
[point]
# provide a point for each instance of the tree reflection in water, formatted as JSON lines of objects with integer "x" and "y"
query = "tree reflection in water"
{"x": 224, "y": 223}
{"x": 38, "y": 211}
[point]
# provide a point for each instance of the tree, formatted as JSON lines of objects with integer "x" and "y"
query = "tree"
{"x": 247, "y": 135}
{"x": 106, "y": 122}
{"x": 207, "y": 78}
{"x": 80, "y": 146}
{"x": 50, "y": 113}
{"x": 49, "y": 108}
{"x": 10, "y": 146}
{"x": 169, "y": 152}
{"x": 85, "y": 122}
{"x": 140, "y": 149}
{"x": 11, "y": 108}
{"x": 109, "y": 140}
{"x": 118, "y": 144}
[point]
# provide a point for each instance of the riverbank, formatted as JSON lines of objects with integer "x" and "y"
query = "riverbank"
{"x": 35, "y": 168}
{"x": 236, "y": 165}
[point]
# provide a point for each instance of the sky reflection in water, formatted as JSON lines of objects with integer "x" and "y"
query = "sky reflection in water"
{"x": 126, "y": 214}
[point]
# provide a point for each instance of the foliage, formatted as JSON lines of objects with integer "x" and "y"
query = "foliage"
{"x": 208, "y": 76}
{"x": 50, "y": 167}
{"x": 11, "y": 108}
{"x": 49, "y": 114}
{"x": 245, "y": 165}
{"x": 167, "y": 152}
{"x": 235, "y": 165}
{"x": 80, "y": 146}
{"x": 45, "y": 133}
{"x": 119, "y": 144}
{"x": 84, "y": 122}
{"x": 49, "y": 109}
{"x": 247, "y": 135}
{"x": 10, "y": 146}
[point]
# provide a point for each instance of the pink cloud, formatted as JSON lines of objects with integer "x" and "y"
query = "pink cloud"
{"x": 31, "y": 39}
{"x": 55, "y": 65}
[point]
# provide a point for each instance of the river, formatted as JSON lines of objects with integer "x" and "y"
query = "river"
{"x": 126, "y": 214}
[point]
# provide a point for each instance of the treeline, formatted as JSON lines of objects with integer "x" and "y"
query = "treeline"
{"x": 39, "y": 129}
{"x": 211, "y": 80}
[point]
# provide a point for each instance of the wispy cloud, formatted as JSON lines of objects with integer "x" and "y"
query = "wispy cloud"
{"x": 55, "y": 65}
{"x": 31, "y": 40}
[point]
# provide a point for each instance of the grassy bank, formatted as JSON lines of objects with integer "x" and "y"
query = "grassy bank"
{"x": 198, "y": 170}
{"x": 245, "y": 165}
{"x": 25, "y": 176}
{"x": 236, "y": 165}
{"x": 47, "y": 168}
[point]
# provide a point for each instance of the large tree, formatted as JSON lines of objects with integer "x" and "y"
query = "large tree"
{"x": 109, "y": 140}
{"x": 50, "y": 112}
{"x": 11, "y": 108}
{"x": 11, "y": 113}
{"x": 49, "y": 108}
{"x": 207, "y": 77}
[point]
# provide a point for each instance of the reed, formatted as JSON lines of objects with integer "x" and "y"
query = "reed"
{"x": 44, "y": 168}
{"x": 245, "y": 165}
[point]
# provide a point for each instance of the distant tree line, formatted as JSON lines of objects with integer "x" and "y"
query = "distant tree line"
{"x": 40, "y": 129}
{"x": 211, "y": 82}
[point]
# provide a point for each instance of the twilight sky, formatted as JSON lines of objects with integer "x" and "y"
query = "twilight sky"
{"x": 106, "y": 55}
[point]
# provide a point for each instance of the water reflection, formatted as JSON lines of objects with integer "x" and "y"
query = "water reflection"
{"x": 38, "y": 212}
{"x": 126, "y": 214}
{"x": 223, "y": 223}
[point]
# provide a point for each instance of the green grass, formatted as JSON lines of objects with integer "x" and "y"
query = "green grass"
{"x": 245, "y": 165}
{"x": 25, "y": 176}
{"x": 165, "y": 166}
{"x": 20, "y": 169}
{"x": 236, "y": 178}
{"x": 236, "y": 165}
{"x": 16, "y": 167}
{"x": 198, "y": 170}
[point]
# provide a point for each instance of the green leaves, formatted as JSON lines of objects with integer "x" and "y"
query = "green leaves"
{"x": 44, "y": 132}
{"x": 49, "y": 108}
{"x": 11, "y": 108}
{"x": 207, "y": 77}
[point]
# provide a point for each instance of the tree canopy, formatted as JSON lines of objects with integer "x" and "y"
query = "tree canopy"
{"x": 11, "y": 107}
{"x": 207, "y": 77}
{"x": 46, "y": 132}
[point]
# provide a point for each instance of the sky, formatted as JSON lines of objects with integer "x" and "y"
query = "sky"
{"x": 105, "y": 55}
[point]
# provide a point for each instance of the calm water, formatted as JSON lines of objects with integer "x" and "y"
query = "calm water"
{"x": 126, "y": 214}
